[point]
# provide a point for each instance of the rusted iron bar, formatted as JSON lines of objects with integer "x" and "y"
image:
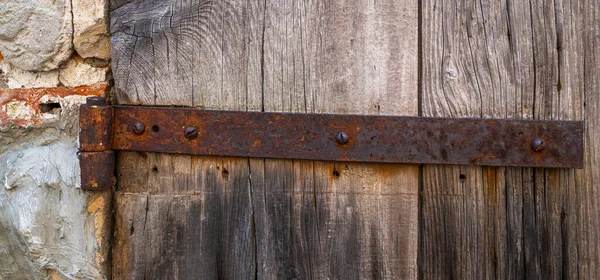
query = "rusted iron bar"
{"x": 494, "y": 142}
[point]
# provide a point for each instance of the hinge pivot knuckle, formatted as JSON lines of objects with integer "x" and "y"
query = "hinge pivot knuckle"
{"x": 97, "y": 170}
{"x": 96, "y": 159}
{"x": 95, "y": 127}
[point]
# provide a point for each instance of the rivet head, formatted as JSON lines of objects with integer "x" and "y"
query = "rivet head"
{"x": 538, "y": 145}
{"x": 342, "y": 138}
{"x": 95, "y": 100}
{"x": 190, "y": 132}
{"x": 139, "y": 127}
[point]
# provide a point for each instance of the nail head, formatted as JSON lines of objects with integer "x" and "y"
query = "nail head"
{"x": 342, "y": 138}
{"x": 190, "y": 132}
{"x": 538, "y": 145}
{"x": 139, "y": 127}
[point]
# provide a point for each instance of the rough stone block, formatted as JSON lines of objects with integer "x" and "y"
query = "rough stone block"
{"x": 36, "y": 35}
{"x": 91, "y": 38}
{"x": 18, "y": 78}
{"x": 77, "y": 73}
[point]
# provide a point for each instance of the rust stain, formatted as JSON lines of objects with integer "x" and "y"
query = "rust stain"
{"x": 33, "y": 95}
{"x": 333, "y": 173}
{"x": 31, "y": 98}
{"x": 386, "y": 171}
{"x": 1, "y": 57}
{"x": 477, "y": 159}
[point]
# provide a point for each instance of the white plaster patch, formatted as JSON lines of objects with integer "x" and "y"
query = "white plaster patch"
{"x": 42, "y": 208}
{"x": 45, "y": 226}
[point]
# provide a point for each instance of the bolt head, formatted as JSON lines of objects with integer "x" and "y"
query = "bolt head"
{"x": 190, "y": 132}
{"x": 95, "y": 100}
{"x": 342, "y": 138}
{"x": 538, "y": 145}
{"x": 139, "y": 128}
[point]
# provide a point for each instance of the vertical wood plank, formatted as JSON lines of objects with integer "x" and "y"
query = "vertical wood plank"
{"x": 255, "y": 218}
{"x": 508, "y": 59}
{"x": 588, "y": 196}
{"x": 331, "y": 220}
{"x": 197, "y": 210}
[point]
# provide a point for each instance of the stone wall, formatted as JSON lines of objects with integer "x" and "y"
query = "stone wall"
{"x": 53, "y": 54}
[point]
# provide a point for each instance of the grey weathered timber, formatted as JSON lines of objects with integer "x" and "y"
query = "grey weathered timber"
{"x": 326, "y": 220}
{"x": 206, "y": 217}
{"x": 511, "y": 59}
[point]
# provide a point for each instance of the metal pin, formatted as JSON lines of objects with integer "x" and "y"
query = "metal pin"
{"x": 342, "y": 138}
{"x": 139, "y": 128}
{"x": 538, "y": 145}
{"x": 95, "y": 100}
{"x": 190, "y": 132}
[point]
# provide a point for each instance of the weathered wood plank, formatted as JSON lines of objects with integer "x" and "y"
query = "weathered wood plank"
{"x": 314, "y": 221}
{"x": 327, "y": 220}
{"x": 509, "y": 59}
{"x": 200, "y": 229}
{"x": 186, "y": 53}
{"x": 588, "y": 194}
{"x": 266, "y": 218}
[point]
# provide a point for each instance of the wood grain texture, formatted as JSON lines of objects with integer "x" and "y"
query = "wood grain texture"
{"x": 197, "y": 217}
{"x": 197, "y": 225}
{"x": 185, "y": 217}
{"x": 510, "y": 59}
{"x": 357, "y": 220}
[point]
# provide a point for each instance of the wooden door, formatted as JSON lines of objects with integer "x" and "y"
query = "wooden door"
{"x": 189, "y": 217}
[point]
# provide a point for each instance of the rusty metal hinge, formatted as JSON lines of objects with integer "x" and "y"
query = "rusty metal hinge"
{"x": 96, "y": 158}
{"x": 357, "y": 138}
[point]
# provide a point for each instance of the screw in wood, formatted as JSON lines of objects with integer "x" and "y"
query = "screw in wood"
{"x": 139, "y": 128}
{"x": 190, "y": 132}
{"x": 342, "y": 138}
{"x": 538, "y": 145}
